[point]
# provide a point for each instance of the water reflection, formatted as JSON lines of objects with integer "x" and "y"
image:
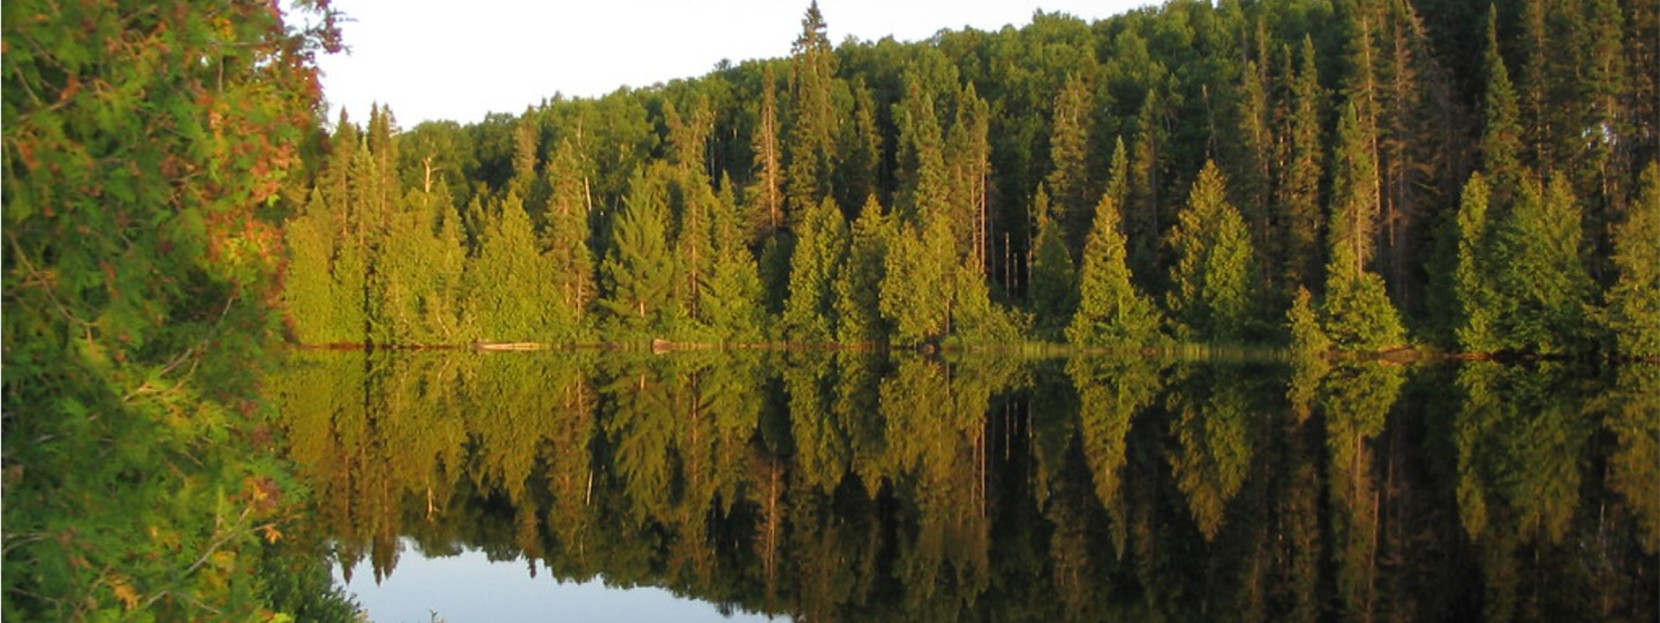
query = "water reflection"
{"x": 841, "y": 486}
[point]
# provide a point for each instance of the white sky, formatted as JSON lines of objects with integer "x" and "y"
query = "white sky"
{"x": 448, "y": 60}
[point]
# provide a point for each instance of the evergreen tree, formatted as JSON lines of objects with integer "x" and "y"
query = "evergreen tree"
{"x": 1299, "y": 185}
{"x": 1307, "y": 337}
{"x": 308, "y": 294}
{"x": 923, "y": 185}
{"x": 860, "y": 151}
{"x": 510, "y": 282}
{"x": 566, "y": 240}
{"x": 1212, "y": 298}
{"x": 638, "y": 272}
{"x": 732, "y": 302}
{"x": 1474, "y": 274}
{"x": 1543, "y": 286}
{"x": 812, "y": 131}
{"x": 1068, "y": 180}
{"x": 1356, "y": 311}
{"x": 766, "y": 196}
{"x": 1145, "y": 225}
{"x": 917, "y": 289}
{"x": 968, "y": 161}
{"x": 1111, "y": 312}
{"x": 1501, "y": 140}
{"x": 1054, "y": 278}
{"x": 820, "y": 251}
{"x": 1634, "y": 300}
{"x": 859, "y": 283}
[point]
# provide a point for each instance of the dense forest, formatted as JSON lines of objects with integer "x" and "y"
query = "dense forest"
{"x": 1352, "y": 175}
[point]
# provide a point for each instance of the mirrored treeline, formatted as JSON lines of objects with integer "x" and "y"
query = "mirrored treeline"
{"x": 852, "y": 486}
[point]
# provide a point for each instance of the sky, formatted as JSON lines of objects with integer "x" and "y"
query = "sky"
{"x": 434, "y": 60}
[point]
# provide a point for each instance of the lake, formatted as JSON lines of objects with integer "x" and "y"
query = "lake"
{"x": 815, "y": 486}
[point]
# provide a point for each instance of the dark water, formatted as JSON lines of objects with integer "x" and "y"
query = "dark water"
{"x": 843, "y": 487}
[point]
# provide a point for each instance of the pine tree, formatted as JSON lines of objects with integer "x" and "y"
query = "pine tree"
{"x": 812, "y": 130}
{"x": 638, "y": 272}
{"x": 968, "y": 162}
{"x": 566, "y": 240}
{"x": 923, "y": 185}
{"x": 1543, "y": 286}
{"x": 1299, "y": 186}
{"x": 820, "y": 251}
{"x": 732, "y": 302}
{"x": 1356, "y": 312}
{"x": 1111, "y": 312}
{"x": 1501, "y": 140}
{"x": 1212, "y": 298}
{"x": 1634, "y": 300}
{"x": 308, "y": 294}
{"x": 860, "y": 151}
{"x": 1146, "y": 226}
{"x": 1473, "y": 276}
{"x": 509, "y": 282}
{"x": 1054, "y": 278}
{"x": 1069, "y": 185}
{"x": 766, "y": 196}
{"x": 858, "y": 285}
{"x": 917, "y": 289}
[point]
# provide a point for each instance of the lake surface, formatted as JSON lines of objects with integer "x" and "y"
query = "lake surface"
{"x": 841, "y": 487}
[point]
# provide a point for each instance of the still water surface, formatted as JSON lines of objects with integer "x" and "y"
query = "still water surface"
{"x": 830, "y": 487}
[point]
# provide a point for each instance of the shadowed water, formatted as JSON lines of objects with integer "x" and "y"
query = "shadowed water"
{"x": 829, "y": 487}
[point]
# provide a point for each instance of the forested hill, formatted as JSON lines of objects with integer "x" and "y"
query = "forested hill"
{"x": 1355, "y": 175}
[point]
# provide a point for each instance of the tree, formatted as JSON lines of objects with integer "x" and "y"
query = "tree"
{"x": 767, "y": 193}
{"x": 1211, "y": 297}
{"x": 820, "y": 251}
{"x": 1068, "y": 180}
{"x": 509, "y": 282}
{"x": 1473, "y": 277}
{"x": 917, "y": 289}
{"x": 1299, "y": 184}
{"x": 859, "y": 284}
{"x": 1356, "y": 312}
{"x": 638, "y": 272}
{"x": 1054, "y": 278}
{"x": 1634, "y": 300}
{"x": 1111, "y": 312}
{"x": 1501, "y": 140}
{"x": 812, "y": 130}
{"x": 566, "y": 239}
{"x": 1145, "y": 226}
{"x": 1543, "y": 286}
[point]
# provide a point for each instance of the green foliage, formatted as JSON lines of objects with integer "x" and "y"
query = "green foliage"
{"x": 1634, "y": 301}
{"x": 147, "y": 153}
{"x": 916, "y": 293}
{"x": 1307, "y": 336}
{"x": 1543, "y": 288}
{"x": 1111, "y": 312}
{"x": 637, "y": 276}
{"x": 820, "y": 251}
{"x": 1474, "y": 276}
{"x": 859, "y": 285}
{"x": 510, "y": 282}
{"x": 1211, "y": 297}
{"x": 1054, "y": 279}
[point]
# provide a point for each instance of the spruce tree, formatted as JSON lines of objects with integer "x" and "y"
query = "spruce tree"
{"x": 1543, "y": 286}
{"x": 638, "y": 272}
{"x": 1212, "y": 297}
{"x": 812, "y": 130}
{"x": 1501, "y": 139}
{"x": 858, "y": 285}
{"x": 1299, "y": 185}
{"x": 766, "y": 195}
{"x": 820, "y": 250}
{"x": 1473, "y": 276}
{"x": 1070, "y": 189}
{"x": 1054, "y": 286}
{"x": 1111, "y": 312}
{"x": 1145, "y": 225}
{"x": 509, "y": 282}
{"x": 732, "y": 302}
{"x": 566, "y": 239}
{"x": 308, "y": 295}
{"x": 1634, "y": 300}
{"x": 917, "y": 290}
{"x": 1356, "y": 312}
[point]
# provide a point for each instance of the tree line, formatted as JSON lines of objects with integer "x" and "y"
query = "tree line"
{"x": 1352, "y": 175}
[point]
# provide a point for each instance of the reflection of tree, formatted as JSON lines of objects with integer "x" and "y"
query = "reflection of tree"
{"x": 1521, "y": 451}
{"x": 1110, "y": 393}
{"x": 1634, "y": 469}
{"x": 860, "y": 487}
{"x": 1356, "y": 399}
{"x": 1214, "y": 428}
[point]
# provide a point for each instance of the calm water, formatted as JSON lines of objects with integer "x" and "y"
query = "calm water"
{"x": 843, "y": 487}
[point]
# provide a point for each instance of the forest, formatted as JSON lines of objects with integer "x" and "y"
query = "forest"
{"x": 1365, "y": 175}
